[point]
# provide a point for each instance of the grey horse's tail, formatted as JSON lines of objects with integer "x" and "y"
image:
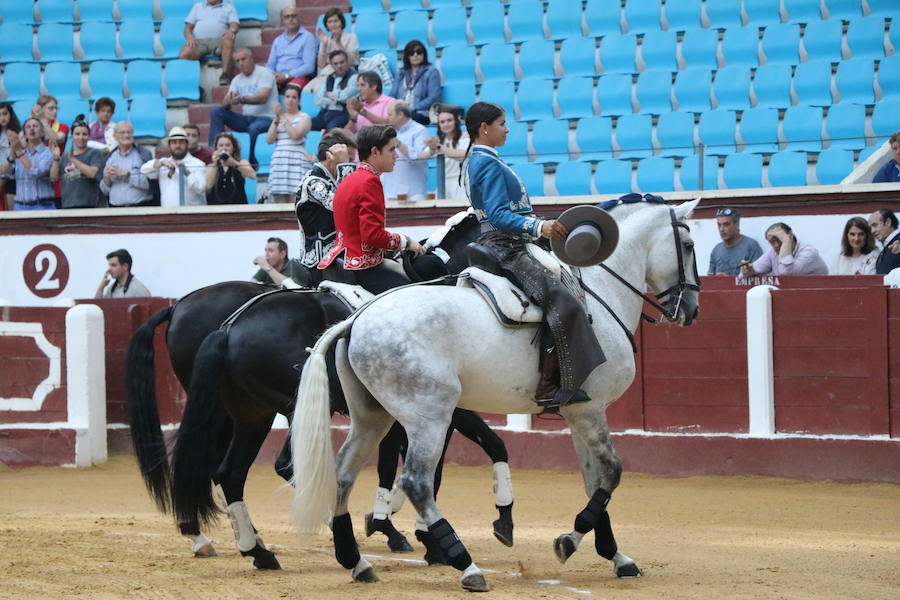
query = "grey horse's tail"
{"x": 315, "y": 485}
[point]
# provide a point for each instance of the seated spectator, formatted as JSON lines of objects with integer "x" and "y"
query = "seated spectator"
{"x": 787, "y": 256}
{"x": 103, "y": 131}
{"x": 35, "y": 167}
{"x": 80, "y": 170}
{"x": 210, "y": 28}
{"x": 332, "y": 97}
{"x": 289, "y": 161}
{"x": 194, "y": 147}
{"x": 371, "y": 107}
{"x": 451, "y": 142}
{"x": 336, "y": 39}
{"x": 182, "y": 178}
{"x": 292, "y": 58}
{"x": 254, "y": 89}
{"x": 890, "y": 172}
{"x": 858, "y": 253}
{"x": 884, "y": 227}
{"x": 124, "y": 284}
{"x": 734, "y": 248}
{"x": 275, "y": 266}
{"x": 9, "y": 129}
{"x": 122, "y": 179}
{"x": 410, "y": 173}
{"x": 225, "y": 178}
{"x": 418, "y": 82}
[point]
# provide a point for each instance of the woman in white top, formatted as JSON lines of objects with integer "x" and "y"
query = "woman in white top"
{"x": 336, "y": 39}
{"x": 290, "y": 161}
{"x": 451, "y": 141}
{"x": 858, "y": 253}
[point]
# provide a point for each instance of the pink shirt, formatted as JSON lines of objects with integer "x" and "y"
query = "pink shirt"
{"x": 379, "y": 108}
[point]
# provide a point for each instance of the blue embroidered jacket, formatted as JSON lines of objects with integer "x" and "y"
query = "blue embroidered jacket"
{"x": 498, "y": 195}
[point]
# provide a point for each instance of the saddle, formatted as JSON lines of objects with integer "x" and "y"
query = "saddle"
{"x": 352, "y": 295}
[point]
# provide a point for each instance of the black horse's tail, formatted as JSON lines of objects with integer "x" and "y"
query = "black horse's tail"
{"x": 197, "y": 446}
{"x": 143, "y": 412}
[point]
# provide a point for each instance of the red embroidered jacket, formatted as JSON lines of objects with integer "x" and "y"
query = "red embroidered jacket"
{"x": 359, "y": 214}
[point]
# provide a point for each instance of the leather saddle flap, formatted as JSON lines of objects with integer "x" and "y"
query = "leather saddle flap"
{"x": 354, "y": 295}
{"x": 510, "y": 305}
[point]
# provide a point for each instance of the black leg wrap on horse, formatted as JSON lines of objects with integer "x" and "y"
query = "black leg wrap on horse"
{"x": 604, "y": 541}
{"x": 590, "y": 516}
{"x": 457, "y": 555}
{"x": 345, "y": 549}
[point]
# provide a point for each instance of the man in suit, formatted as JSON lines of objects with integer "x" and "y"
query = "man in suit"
{"x": 884, "y": 227}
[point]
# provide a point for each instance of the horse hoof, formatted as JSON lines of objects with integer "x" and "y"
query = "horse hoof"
{"x": 628, "y": 570}
{"x": 503, "y": 531}
{"x": 564, "y": 547}
{"x": 399, "y": 544}
{"x": 474, "y": 582}
{"x": 263, "y": 559}
{"x": 367, "y": 575}
{"x": 206, "y": 551}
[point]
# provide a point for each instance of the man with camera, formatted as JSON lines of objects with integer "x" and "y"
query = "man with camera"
{"x": 182, "y": 177}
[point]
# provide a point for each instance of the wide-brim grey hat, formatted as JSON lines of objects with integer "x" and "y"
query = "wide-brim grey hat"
{"x": 593, "y": 236}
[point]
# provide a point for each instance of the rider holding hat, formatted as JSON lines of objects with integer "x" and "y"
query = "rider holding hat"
{"x": 508, "y": 224}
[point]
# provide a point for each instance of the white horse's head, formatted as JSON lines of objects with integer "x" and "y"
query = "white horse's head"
{"x": 672, "y": 266}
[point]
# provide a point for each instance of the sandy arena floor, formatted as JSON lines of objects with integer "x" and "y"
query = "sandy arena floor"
{"x": 94, "y": 533}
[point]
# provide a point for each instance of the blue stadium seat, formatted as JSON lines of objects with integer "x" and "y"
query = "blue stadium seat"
{"x": 367, "y": 6}
{"x": 889, "y": 77}
{"x": 252, "y": 10}
{"x": 634, "y": 135}
{"x": 822, "y": 40}
{"x": 689, "y": 173}
{"x": 886, "y": 119}
{"x": 655, "y": 175}
{"x": 550, "y": 140}
{"x": 250, "y": 186}
{"x": 772, "y": 86}
{"x": 732, "y": 88}
{"x": 498, "y": 61}
{"x": 458, "y": 64}
{"x": 692, "y": 88}
{"x": 763, "y": 12}
{"x": 144, "y": 78}
{"x": 723, "y": 14}
{"x": 183, "y": 79}
{"x": 536, "y": 59}
{"x": 136, "y": 38}
{"x": 502, "y": 93}
{"x": 787, "y": 169}
{"x": 70, "y": 107}
{"x": 698, "y": 48}
{"x": 613, "y": 177}
{"x": 98, "y": 40}
{"x": 833, "y": 165}
{"x": 573, "y": 179}
{"x": 594, "y": 138}
{"x": 14, "y": 43}
{"x": 18, "y": 12}
{"x": 867, "y": 152}
{"x": 448, "y": 24}
{"x": 654, "y": 92}
{"x": 802, "y": 11}
{"x": 410, "y": 25}
{"x": 575, "y": 97}
{"x": 614, "y": 94}
{"x": 617, "y": 54}
{"x": 578, "y": 56}
{"x": 643, "y": 17}
{"x": 658, "y": 51}
{"x": 487, "y": 23}
{"x": 62, "y": 78}
{"x": 263, "y": 155}
{"x": 675, "y": 133}
{"x": 525, "y": 22}
{"x": 373, "y": 31}
{"x": 781, "y": 43}
{"x": 847, "y": 10}
{"x": 865, "y": 37}
{"x": 22, "y": 82}
{"x": 312, "y": 142}
{"x": 742, "y": 171}
{"x": 759, "y": 130}
{"x": 55, "y": 42}
{"x": 171, "y": 36}
{"x": 535, "y": 99}
{"x": 683, "y": 15}
{"x": 603, "y": 17}
{"x": 740, "y": 46}
{"x": 175, "y": 10}
{"x": 854, "y": 80}
{"x": 53, "y": 11}
{"x": 532, "y": 176}
{"x": 887, "y": 8}
{"x": 845, "y": 126}
{"x": 23, "y": 107}
{"x": 802, "y": 128}
{"x": 105, "y": 78}
{"x": 716, "y": 131}
{"x": 459, "y": 94}
{"x": 812, "y": 83}
{"x": 516, "y": 148}
{"x": 135, "y": 9}
{"x": 564, "y": 20}
{"x": 397, "y": 5}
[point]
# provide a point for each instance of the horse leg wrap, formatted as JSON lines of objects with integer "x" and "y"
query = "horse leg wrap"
{"x": 244, "y": 533}
{"x": 457, "y": 555}
{"x": 397, "y": 498}
{"x": 201, "y": 545}
{"x": 503, "y": 492}
{"x": 345, "y": 549}
{"x": 382, "y": 504}
{"x": 588, "y": 518}
{"x": 604, "y": 541}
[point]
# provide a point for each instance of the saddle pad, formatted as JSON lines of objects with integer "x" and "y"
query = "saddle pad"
{"x": 354, "y": 295}
{"x": 547, "y": 260}
{"x": 510, "y": 305}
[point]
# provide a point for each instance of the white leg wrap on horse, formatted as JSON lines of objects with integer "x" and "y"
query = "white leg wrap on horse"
{"x": 397, "y": 498}
{"x": 503, "y": 492}
{"x": 382, "y": 507}
{"x": 421, "y": 525}
{"x": 361, "y": 566}
{"x": 198, "y": 541}
{"x": 242, "y": 526}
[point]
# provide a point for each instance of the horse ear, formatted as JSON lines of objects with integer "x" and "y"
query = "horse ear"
{"x": 684, "y": 210}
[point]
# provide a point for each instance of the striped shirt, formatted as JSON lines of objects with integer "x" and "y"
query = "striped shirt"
{"x": 33, "y": 185}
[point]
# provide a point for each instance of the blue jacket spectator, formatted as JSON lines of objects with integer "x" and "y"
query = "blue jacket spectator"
{"x": 418, "y": 83}
{"x": 890, "y": 172}
{"x": 292, "y": 58}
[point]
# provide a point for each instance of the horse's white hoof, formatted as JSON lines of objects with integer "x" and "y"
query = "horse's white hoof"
{"x": 206, "y": 551}
{"x": 627, "y": 571}
{"x": 472, "y": 580}
{"x": 564, "y": 546}
{"x": 363, "y": 572}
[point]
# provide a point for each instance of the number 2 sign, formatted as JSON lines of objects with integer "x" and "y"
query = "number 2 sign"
{"x": 46, "y": 271}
